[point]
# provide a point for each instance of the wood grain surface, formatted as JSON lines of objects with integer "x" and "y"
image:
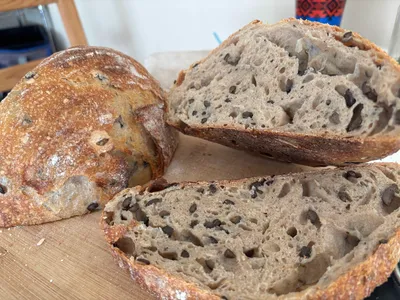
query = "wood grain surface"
{"x": 73, "y": 261}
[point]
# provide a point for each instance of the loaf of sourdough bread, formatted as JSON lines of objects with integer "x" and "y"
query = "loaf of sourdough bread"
{"x": 298, "y": 91}
{"x": 83, "y": 125}
{"x": 326, "y": 234}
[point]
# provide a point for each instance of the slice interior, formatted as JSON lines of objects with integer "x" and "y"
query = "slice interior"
{"x": 293, "y": 77}
{"x": 262, "y": 237}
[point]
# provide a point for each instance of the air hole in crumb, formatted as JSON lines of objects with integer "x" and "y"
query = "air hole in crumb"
{"x": 253, "y": 220}
{"x": 139, "y": 214}
{"x": 233, "y": 142}
{"x": 168, "y": 230}
{"x": 284, "y": 191}
{"x": 351, "y": 242}
{"x": 356, "y": 119}
{"x": 193, "y": 208}
{"x": 244, "y": 227}
{"x": 233, "y": 114}
{"x": 188, "y": 236}
{"x": 250, "y": 253}
{"x": 369, "y": 92}
{"x": 235, "y": 219}
{"x": 102, "y": 142}
{"x": 229, "y": 253}
{"x": 282, "y": 70}
{"x": 92, "y": 206}
{"x": 247, "y": 114}
{"x": 308, "y": 78}
{"x": 286, "y": 85}
{"x": 193, "y": 223}
{"x": 334, "y": 118}
{"x": 109, "y": 217}
{"x": 3, "y": 189}
{"x": 352, "y": 176}
{"x": 164, "y": 213}
{"x": 207, "y": 264}
{"x": 306, "y": 187}
{"x": 185, "y": 254}
{"x": 312, "y": 216}
{"x": 292, "y": 231}
{"x": 126, "y": 245}
{"x": 253, "y": 80}
{"x": 390, "y": 201}
{"x": 344, "y": 196}
{"x": 348, "y": 97}
{"x": 171, "y": 255}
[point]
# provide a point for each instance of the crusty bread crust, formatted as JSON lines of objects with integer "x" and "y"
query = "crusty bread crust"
{"x": 78, "y": 124}
{"x": 305, "y": 149}
{"x": 357, "y": 283}
{"x": 309, "y": 149}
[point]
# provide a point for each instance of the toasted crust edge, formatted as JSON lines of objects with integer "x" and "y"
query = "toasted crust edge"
{"x": 358, "y": 150}
{"x": 357, "y": 283}
{"x": 305, "y": 149}
{"x": 165, "y": 138}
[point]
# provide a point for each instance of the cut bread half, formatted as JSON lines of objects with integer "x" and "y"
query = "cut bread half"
{"x": 327, "y": 234}
{"x": 298, "y": 91}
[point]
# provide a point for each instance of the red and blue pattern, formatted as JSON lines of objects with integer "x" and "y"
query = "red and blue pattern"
{"x": 324, "y": 11}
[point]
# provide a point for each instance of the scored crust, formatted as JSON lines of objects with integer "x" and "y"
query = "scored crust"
{"x": 306, "y": 148}
{"x": 75, "y": 131}
{"x": 356, "y": 283}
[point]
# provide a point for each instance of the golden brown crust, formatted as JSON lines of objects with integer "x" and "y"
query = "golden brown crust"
{"x": 68, "y": 132}
{"x": 360, "y": 281}
{"x": 300, "y": 148}
{"x": 164, "y": 137}
{"x": 309, "y": 149}
{"x": 356, "y": 283}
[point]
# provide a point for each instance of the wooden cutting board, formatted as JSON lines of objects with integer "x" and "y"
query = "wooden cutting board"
{"x": 69, "y": 259}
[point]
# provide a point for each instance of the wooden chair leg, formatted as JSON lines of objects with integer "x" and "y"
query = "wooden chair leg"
{"x": 72, "y": 22}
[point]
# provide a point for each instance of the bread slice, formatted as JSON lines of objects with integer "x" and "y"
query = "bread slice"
{"x": 83, "y": 125}
{"x": 327, "y": 234}
{"x": 298, "y": 91}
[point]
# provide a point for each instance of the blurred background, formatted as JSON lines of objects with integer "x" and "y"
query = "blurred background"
{"x": 142, "y": 27}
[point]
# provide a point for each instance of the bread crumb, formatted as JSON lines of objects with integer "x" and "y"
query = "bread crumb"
{"x": 180, "y": 295}
{"x": 40, "y": 242}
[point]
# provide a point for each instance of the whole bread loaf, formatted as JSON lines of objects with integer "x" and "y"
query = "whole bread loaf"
{"x": 83, "y": 125}
{"x": 327, "y": 234}
{"x": 298, "y": 91}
